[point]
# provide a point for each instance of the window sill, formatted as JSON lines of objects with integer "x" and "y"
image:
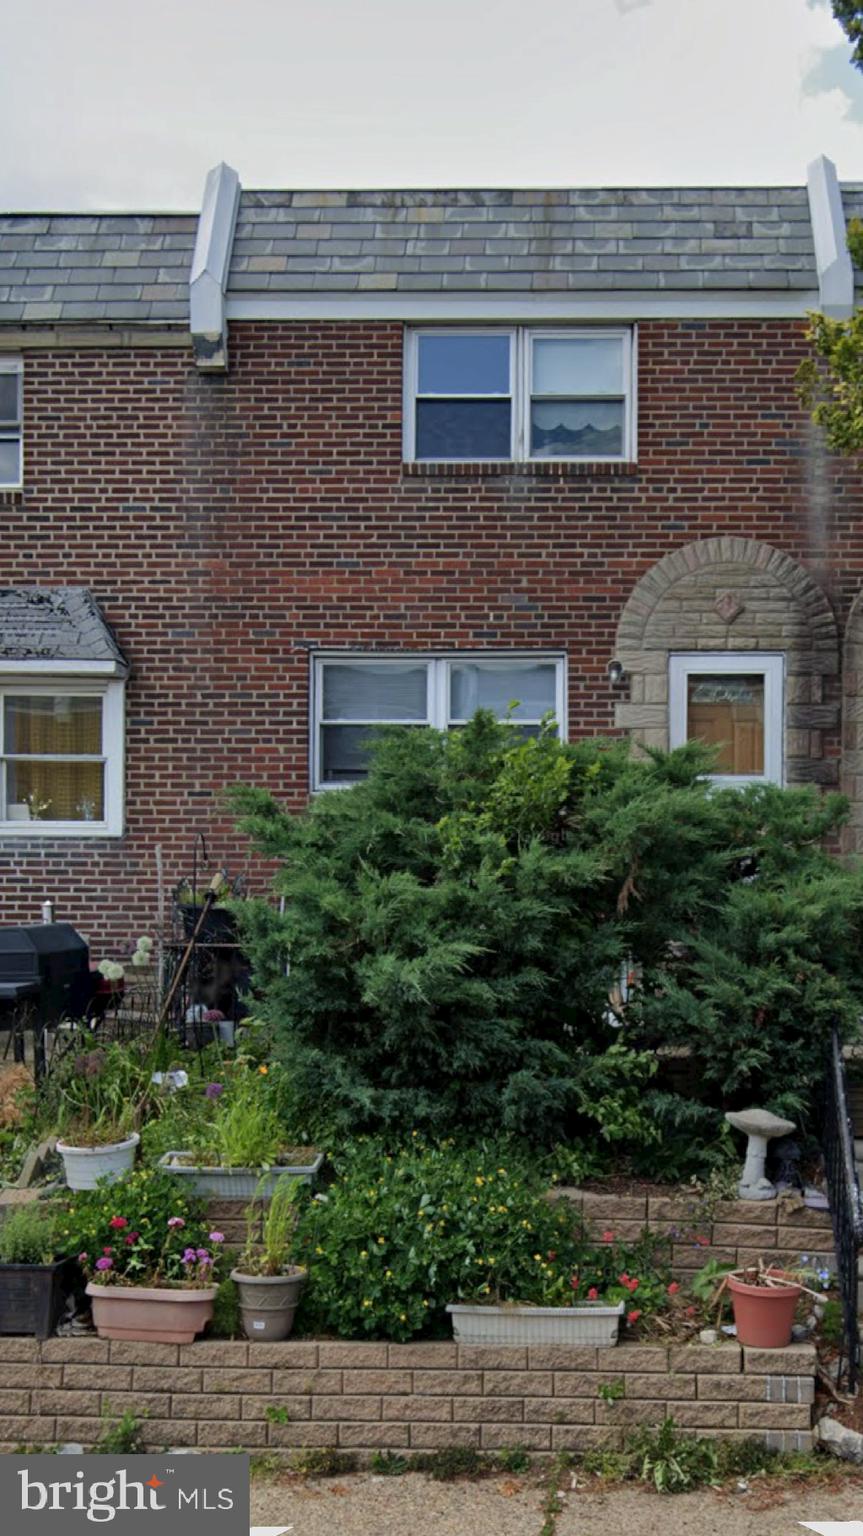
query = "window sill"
{"x": 24, "y": 831}
{"x": 552, "y": 469}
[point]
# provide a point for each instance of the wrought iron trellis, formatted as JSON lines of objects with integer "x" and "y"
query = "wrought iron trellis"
{"x": 846, "y": 1210}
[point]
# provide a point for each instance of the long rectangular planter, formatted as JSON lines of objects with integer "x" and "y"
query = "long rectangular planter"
{"x": 592, "y": 1324}
{"x": 237, "y": 1183}
{"x": 33, "y": 1296}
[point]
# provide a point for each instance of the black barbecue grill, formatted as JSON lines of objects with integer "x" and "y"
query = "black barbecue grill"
{"x": 45, "y": 965}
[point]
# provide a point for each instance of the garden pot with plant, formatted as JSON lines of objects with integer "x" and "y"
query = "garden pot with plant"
{"x": 270, "y": 1285}
{"x": 764, "y": 1301}
{"x": 99, "y": 1096}
{"x": 233, "y": 1138}
{"x": 34, "y": 1282}
{"x": 152, "y": 1263}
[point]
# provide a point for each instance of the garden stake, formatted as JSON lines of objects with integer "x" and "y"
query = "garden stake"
{"x": 214, "y": 890}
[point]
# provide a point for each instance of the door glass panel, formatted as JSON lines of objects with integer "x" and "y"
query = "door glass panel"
{"x": 463, "y": 429}
{"x": 45, "y": 723}
{"x": 370, "y": 692}
{"x": 576, "y": 429}
{"x": 475, "y": 685}
{"x": 54, "y": 791}
{"x": 463, "y": 365}
{"x": 577, "y": 365}
{"x": 728, "y": 711}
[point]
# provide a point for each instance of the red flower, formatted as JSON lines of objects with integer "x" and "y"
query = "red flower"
{"x": 593, "y": 1294}
{"x": 575, "y": 1282}
{"x": 673, "y": 1288}
{"x": 551, "y": 1255}
{"x": 689, "y": 1311}
{"x": 608, "y": 1237}
{"x": 623, "y": 1279}
{"x": 702, "y": 1242}
{"x": 632, "y": 1317}
{"x": 107, "y": 1250}
{"x": 118, "y": 1223}
{"x": 632, "y": 1286}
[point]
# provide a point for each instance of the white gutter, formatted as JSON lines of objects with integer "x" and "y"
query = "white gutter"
{"x": 602, "y": 306}
{"x": 835, "y": 273}
{"x": 209, "y": 273}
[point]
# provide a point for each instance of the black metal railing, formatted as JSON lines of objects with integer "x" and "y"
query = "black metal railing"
{"x": 843, "y": 1190}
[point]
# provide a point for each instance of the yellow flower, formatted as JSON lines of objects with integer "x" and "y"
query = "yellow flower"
{"x": 319, "y": 1250}
{"x": 403, "y": 1317}
{"x": 425, "y": 1303}
{"x": 388, "y": 1274}
{"x": 263, "y": 1071}
{"x": 538, "y": 1257}
{"x": 479, "y": 1181}
{"x": 363, "y": 1253}
{"x": 381, "y": 1241}
{"x": 366, "y": 1302}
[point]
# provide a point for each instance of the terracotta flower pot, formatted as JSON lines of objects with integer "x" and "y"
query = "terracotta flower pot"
{"x": 152, "y": 1314}
{"x": 764, "y": 1314}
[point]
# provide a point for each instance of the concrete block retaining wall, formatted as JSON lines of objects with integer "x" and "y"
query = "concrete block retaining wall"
{"x": 215, "y": 1395}
{"x": 734, "y": 1231}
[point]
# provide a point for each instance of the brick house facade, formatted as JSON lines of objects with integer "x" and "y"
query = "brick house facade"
{"x": 213, "y": 426}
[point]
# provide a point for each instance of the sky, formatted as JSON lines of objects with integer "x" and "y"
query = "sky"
{"x": 117, "y": 104}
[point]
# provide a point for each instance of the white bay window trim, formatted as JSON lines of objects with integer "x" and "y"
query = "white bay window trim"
{"x": 437, "y": 692}
{"x": 521, "y": 339}
{"x": 12, "y": 429}
{"x": 733, "y": 664}
{"x": 32, "y": 680}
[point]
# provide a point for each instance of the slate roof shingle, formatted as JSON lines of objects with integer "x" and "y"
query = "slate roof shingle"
{"x": 54, "y": 624}
{"x": 134, "y": 268}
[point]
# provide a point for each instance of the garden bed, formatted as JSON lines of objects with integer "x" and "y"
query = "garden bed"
{"x": 214, "y": 1395}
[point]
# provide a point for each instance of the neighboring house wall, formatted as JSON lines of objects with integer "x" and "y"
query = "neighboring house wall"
{"x": 231, "y": 525}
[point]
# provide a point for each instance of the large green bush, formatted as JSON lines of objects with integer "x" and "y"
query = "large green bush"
{"x": 398, "y": 1236}
{"x": 452, "y": 928}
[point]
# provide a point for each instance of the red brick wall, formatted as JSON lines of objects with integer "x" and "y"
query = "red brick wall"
{"x": 228, "y": 525}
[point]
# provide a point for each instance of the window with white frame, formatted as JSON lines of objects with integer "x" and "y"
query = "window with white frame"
{"x": 355, "y": 694}
{"x": 61, "y": 757}
{"x": 733, "y": 702}
{"x": 519, "y": 394}
{"x": 10, "y": 422}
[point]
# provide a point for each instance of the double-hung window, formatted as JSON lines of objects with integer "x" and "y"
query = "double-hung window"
{"x": 519, "y": 394}
{"x": 10, "y": 423}
{"x": 733, "y": 702}
{"x": 61, "y": 757}
{"x": 354, "y": 695}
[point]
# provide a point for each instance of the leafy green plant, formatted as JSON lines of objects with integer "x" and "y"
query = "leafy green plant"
{"x": 141, "y": 1230}
{"x": 513, "y": 1458}
{"x": 230, "y": 1119}
{"x": 612, "y": 1391}
{"x": 450, "y": 1462}
{"x": 95, "y": 1097}
{"x": 123, "y": 1436}
{"x": 399, "y": 1235}
{"x": 227, "y": 1321}
{"x": 671, "y": 1462}
{"x": 270, "y": 1231}
{"x": 30, "y": 1234}
{"x": 277, "y": 1414}
{"x": 389, "y": 1464}
{"x": 323, "y": 1461}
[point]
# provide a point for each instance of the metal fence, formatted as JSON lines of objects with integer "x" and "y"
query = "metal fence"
{"x": 837, "y": 1144}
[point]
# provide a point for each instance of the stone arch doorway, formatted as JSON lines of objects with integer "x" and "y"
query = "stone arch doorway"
{"x": 737, "y": 595}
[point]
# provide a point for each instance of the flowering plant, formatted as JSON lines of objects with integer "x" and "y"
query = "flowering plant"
{"x": 95, "y": 1097}
{"x": 142, "y": 1231}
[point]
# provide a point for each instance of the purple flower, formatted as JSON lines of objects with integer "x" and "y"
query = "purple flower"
{"x": 214, "y": 1091}
{"x": 213, "y": 1016}
{"x": 216, "y": 1237}
{"x": 202, "y": 1253}
{"x": 176, "y": 1221}
{"x": 204, "y": 1259}
{"x": 189, "y": 1256}
{"x": 82, "y": 1258}
{"x": 104, "y": 1263}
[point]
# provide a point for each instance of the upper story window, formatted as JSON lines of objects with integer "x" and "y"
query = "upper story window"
{"x": 10, "y": 422}
{"x": 733, "y": 702}
{"x": 519, "y": 394}
{"x": 353, "y": 694}
{"x": 61, "y": 757}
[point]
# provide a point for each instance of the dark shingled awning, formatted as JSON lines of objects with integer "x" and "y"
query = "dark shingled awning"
{"x": 55, "y": 624}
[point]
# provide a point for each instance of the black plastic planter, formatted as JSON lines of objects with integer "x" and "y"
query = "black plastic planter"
{"x": 33, "y": 1296}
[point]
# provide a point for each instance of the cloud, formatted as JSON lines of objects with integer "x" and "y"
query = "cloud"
{"x": 831, "y": 70}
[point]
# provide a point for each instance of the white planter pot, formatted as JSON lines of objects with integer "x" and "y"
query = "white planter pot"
{"x": 85, "y": 1166}
{"x": 591, "y": 1324}
{"x": 237, "y": 1183}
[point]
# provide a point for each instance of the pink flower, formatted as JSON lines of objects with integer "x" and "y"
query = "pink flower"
{"x": 107, "y": 1250}
{"x": 118, "y": 1223}
{"x": 176, "y": 1221}
{"x": 593, "y": 1294}
{"x": 673, "y": 1288}
{"x": 574, "y": 1282}
{"x": 608, "y": 1237}
{"x": 83, "y": 1257}
{"x": 104, "y": 1264}
{"x": 632, "y": 1317}
{"x": 216, "y": 1237}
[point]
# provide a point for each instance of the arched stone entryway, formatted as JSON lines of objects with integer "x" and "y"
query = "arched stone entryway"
{"x": 734, "y": 594}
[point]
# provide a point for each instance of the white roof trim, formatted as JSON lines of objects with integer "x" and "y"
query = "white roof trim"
{"x": 210, "y": 262}
{"x": 607, "y": 305}
{"x": 835, "y": 273}
{"x": 42, "y": 667}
